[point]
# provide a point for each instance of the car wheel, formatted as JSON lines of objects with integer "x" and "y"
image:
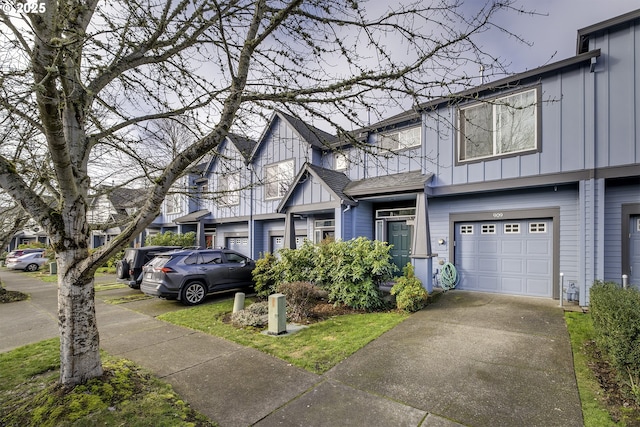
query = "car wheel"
{"x": 193, "y": 293}
{"x": 32, "y": 267}
{"x": 122, "y": 269}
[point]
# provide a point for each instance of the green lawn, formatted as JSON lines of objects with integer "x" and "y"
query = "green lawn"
{"x": 125, "y": 395}
{"x": 316, "y": 348}
{"x": 594, "y": 411}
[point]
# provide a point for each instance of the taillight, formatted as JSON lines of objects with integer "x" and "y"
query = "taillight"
{"x": 166, "y": 269}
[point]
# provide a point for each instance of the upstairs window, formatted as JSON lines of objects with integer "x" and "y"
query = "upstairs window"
{"x": 499, "y": 127}
{"x": 228, "y": 187}
{"x": 341, "y": 161}
{"x": 400, "y": 140}
{"x": 173, "y": 204}
{"x": 278, "y": 178}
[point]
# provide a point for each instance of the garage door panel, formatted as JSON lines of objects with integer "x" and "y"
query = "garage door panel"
{"x": 487, "y": 283}
{"x": 514, "y": 257}
{"x": 538, "y": 247}
{"x": 487, "y": 265}
{"x": 537, "y": 287}
{"x": 512, "y": 285}
{"x": 512, "y": 247}
{"x": 488, "y": 247}
{"x": 538, "y": 267}
{"x": 512, "y": 265}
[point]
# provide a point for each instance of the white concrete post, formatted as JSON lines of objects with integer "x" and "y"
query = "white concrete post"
{"x": 561, "y": 289}
{"x": 238, "y": 302}
{"x": 625, "y": 281}
{"x": 277, "y": 315}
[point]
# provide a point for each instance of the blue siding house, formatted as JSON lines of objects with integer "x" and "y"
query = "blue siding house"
{"x": 519, "y": 182}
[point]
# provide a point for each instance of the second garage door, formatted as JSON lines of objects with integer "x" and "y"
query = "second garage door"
{"x": 511, "y": 257}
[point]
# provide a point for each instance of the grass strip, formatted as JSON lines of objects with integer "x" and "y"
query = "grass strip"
{"x": 594, "y": 411}
{"x": 316, "y": 348}
{"x": 125, "y": 395}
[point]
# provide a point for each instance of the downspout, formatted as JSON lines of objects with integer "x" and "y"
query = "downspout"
{"x": 252, "y": 245}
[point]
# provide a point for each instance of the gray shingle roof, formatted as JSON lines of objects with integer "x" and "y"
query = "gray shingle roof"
{"x": 244, "y": 145}
{"x": 397, "y": 183}
{"x": 314, "y": 136}
{"x": 334, "y": 180}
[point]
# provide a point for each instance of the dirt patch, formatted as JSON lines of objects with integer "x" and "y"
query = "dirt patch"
{"x": 324, "y": 310}
{"x": 617, "y": 399}
{"x": 11, "y": 296}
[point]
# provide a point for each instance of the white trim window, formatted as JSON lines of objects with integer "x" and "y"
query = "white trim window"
{"x": 341, "y": 161}
{"x": 400, "y": 140}
{"x": 499, "y": 127}
{"x": 512, "y": 228}
{"x": 466, "y": 229}
{"x": 488, "y": 229}
{"x": 277, "y": 179}
{"x": 228, "y": 187}
{"x": 173, "y": 203}
{"x": 537, "y": 227}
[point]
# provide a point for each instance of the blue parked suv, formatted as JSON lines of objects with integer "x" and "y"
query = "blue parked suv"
{"x": 189, "y": 275}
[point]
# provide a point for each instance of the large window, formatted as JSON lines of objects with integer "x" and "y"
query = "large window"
{"x": 228, "y": 187}
{"x": 400, "y": 140}
{"x": 173, "y": 204}
{"x": 499, "y": 127}
{"x": 278, "y": 178}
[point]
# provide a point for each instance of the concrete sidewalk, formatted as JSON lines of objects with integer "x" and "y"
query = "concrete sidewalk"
{"x": 470, "y": 359}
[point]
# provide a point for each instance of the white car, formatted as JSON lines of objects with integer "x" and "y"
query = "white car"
{"x": 28, "y": 262}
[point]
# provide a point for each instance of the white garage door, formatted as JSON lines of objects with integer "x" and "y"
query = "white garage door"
{"x": 512, "y": 257}
{"x": 238, "y": 244}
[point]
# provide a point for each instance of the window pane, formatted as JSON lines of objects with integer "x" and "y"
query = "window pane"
{"x": 476, "y": 136}
{"x": 516, "y": 123}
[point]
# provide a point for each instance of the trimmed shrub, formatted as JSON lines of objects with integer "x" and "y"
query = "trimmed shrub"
{"x": 255, "y": 315}
{"x": 300, "y": 298}
{"x": 410, "y": 294}
{"x": 616, "y": 319}
{"x": 297, "y": 265}
{"x": 265, "y": 275}
{"x": 351, "y": 272}
{"x": 358, "y": 268}
{"x": 169, "y": 238}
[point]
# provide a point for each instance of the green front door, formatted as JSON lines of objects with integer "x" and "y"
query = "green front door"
{"x": 399, "y": 236}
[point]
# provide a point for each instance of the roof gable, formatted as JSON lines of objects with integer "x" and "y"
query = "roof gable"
{"x": 313, "y": 136}
{"x": 334, "y": 181}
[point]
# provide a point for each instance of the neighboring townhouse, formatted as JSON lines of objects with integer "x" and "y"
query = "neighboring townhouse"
{"x": 110, "y": 209}
{"x": 518, "y": 182}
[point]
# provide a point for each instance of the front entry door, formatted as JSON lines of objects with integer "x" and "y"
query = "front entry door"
{"x": 399, "y": 236}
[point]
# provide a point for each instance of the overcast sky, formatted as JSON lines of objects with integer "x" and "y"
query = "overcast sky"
{"x": 554, "y": 34}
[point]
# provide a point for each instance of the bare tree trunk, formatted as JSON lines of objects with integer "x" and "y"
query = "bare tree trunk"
{"x": 79, "y": 339}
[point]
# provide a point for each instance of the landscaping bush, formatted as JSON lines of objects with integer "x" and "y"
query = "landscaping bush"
{"x": 300, "y": 298}
{"x": 359, "y": 267}
{"x": 255, "y": 315}
{"x": 410, "y": 294}
{"x": 297, "y": 265}
{"x": 169, "y": 238}
{"x": 616, "y": 319}
{"x": 265, "y": 275}
{"x": 351, "y": 272}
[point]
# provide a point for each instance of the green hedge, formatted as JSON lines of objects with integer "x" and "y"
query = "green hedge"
{"x": 616, "y": 320}
{"x": 410, "y": 294}
{"x": 350, "y": 271}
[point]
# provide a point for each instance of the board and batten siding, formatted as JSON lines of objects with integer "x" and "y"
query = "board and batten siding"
{"x": 280, "y": 143}
{"x": 309, "y": 192}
